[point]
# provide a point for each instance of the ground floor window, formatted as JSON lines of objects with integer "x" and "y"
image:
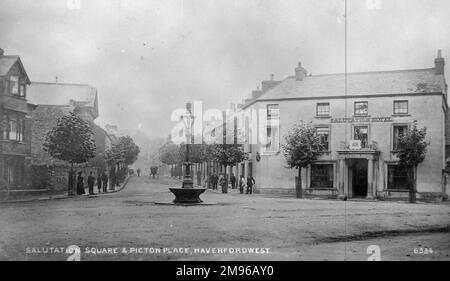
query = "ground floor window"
{"x": 322, "y": 175}
{"x": 400, "y": 177}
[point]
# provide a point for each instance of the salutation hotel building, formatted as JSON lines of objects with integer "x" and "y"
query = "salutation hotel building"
{"x": 359, "y": 117}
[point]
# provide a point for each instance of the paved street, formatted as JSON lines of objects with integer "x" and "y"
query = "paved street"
{"x": 292, "y": 229}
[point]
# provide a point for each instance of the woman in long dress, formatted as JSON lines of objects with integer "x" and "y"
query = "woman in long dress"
{"x": 80, "y": 184}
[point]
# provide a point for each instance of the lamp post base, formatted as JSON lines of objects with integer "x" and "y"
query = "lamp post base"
{"x": 187, "y": 195}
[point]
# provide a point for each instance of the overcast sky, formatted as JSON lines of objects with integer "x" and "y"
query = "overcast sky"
{"x": 147, "y": 58}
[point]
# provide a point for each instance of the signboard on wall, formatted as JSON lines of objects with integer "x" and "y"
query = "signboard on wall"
{"x": 355, "y": 144}
{"x": 362, "y": 119}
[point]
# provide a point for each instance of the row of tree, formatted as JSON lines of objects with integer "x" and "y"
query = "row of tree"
{"x": 227, "y": 155}
{"x": 72, "y": 140}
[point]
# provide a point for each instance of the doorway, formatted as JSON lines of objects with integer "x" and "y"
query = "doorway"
{"x": 359, "y": 177}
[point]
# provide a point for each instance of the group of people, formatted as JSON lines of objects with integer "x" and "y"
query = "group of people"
{"x": 248, "y": 184}
{"x": 101, "y": 181}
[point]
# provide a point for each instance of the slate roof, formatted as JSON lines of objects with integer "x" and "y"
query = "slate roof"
{"x": 358, "y": 84}
{"x": 7, "y": 62}
{"x": 63, "y": 94}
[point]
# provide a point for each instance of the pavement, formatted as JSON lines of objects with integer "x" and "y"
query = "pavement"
{"x": 128, "y": 225}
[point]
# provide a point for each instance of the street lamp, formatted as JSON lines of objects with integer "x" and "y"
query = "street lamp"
{"x": 187, "y": 194}
{"x": 188, "y": 119}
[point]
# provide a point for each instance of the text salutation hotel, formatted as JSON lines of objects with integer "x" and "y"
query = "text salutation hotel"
{"x": 359, "y": 122}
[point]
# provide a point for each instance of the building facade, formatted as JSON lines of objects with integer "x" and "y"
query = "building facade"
{"x": 15, "y": 124}
{"x": 359, "y": 117}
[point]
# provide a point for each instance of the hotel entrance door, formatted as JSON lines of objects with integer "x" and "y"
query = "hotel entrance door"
{"x": 359, "y": 177}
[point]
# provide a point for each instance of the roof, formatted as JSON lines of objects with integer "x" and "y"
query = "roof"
{"x": 358, "y": 84}
{"x": 79, "y": 95}
{"x": 7, "y": 62}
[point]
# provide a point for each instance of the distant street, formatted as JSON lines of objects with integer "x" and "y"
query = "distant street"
{"x": 292, "y": 229}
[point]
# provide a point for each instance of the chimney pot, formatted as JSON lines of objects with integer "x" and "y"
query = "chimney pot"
{"x": 300, "y": 72}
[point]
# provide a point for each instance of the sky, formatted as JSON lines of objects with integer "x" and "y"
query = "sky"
{"x": 147, "y": 58}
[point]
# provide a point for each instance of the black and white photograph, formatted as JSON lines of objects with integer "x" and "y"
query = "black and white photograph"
{"x": 220, "y": 131}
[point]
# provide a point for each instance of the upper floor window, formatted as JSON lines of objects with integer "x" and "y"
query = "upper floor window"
{"x": 323, "y": 109}
{"x": 361, "y": 133}
{"x": 273, "y": 112}
{"x": 14, "y": 129}
{"x": 361, "y": 108}
{"x": 401, "y": 107}
{"x": 22, "y": 90}
{"x": 14, "y": 85}
{"x": 399, "y": 130}
{"x": 273, "y": 139}
{"x": 324, "y": 133}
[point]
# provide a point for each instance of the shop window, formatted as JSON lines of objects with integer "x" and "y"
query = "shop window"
{"x": 400, "y": 177}
{"x": 322, "y": 175}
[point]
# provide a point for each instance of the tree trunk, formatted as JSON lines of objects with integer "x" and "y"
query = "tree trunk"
{"x": 71, "y": 181}
{"x": 412, "y": 197}
{"x": 298, "y": 184}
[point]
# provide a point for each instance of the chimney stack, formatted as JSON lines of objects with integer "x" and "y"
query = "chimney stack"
{"x": 300, "y": 72}
{"x": 268, "y": 84}
{"x": 439, "y": 64}
{"x": 1, "y": 52}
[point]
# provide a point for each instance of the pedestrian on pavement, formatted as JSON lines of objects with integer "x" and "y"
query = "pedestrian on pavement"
{"x": 250, "y": 183}
{"x": 105, "y": 182}
{"x": 241, "y": 184}
{"x": 80, "y": 184}
{"x": 214, "y": 181}
{"x": 99, "y": 182}
{"x": 139, "y": 172}
{"x": 224, "y": 184}
{"x": 91, "y": 182}
{"x": 233, "y": 181}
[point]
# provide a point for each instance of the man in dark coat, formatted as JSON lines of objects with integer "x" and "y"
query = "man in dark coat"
{"x": 216, "y": 181}
{"x": 105, "y": 182}
{"x": 250, "y": 183}
{"x": 233, "y": 181}
{"x": 91, "y": 182}
{"x": 80, "y": 184}
{"x": 99, "y": 183}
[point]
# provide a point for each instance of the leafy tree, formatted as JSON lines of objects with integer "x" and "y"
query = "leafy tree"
{"x": 411, "y": 151}
{"x": 301, "y": 148}
{"x": 121, "y": 154}
{"x": 227, "y": 154}
{"x": 71, "y": 140}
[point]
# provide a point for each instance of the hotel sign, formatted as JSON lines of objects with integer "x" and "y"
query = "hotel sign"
{"x": 362, "y": 120}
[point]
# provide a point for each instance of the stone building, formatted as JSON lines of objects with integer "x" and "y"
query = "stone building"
{"x": 53, "y": 101}
{"x": 359, "y": 117}
{"x": 15, "y": 124}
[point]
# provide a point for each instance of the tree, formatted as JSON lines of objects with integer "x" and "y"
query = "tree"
{"x": 121, "y": 154}
{"x": 411, "y": 151}
{"x": 302, "y": 147}
{"x": 71, "y": 140}
{"x": 228, "y": 155}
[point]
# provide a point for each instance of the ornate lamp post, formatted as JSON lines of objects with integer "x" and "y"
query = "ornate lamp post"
{"x": 187, "y": 194}
{"x": 188, "y": 120}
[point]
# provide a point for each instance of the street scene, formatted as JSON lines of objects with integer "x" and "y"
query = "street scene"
{"x": 224, "y": 130}
{"x": 291, "y": 229}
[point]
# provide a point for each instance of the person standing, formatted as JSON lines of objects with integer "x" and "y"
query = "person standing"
{"x": 139, "y": 172}
{"x": 224, "y": 184}
{"x": 80, "y": 184}
{"x": 250, "y": 183}
{"x": 233, "y": 181}
{"x": 99, "y": 183}
{"x": 91, "y": 182}
{"x": 105, "y": 182}
{"x": 241, "y": 184}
